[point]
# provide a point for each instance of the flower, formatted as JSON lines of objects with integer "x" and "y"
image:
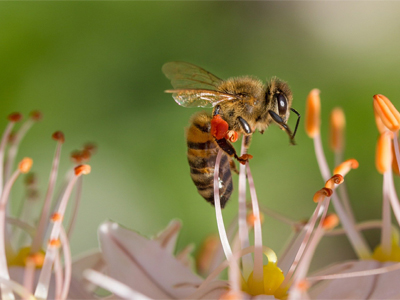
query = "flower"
{"x": 25, "y": 266}
{"x": 143, "y": 268}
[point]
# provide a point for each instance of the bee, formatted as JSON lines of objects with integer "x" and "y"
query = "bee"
{"x": 241, "y": 105}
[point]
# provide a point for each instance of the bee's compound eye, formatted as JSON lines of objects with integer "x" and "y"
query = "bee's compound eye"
{"x": 282, "y": 104}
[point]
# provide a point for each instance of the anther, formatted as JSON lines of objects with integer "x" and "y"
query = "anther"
{"x": 387, "y": 112}
{"x": 231, "y": 295}
{"x": 384, "y": 155}
{"x": 330, "y": 221}
{"x": 76, "y": 156}
{"x": 36, "y": 115}
{"x": 15, "y": 117}
{"x": 303, "y": 285}
{"x": 91, "y": 147}
{"x": 335, "y": 179}
{"x": 232, "y": 136}
{"x": 58, "y": 136}
{"x": 30, "y": 179}
{"x": 54, "y": 243}
{"x": 337, "y": 124}
{"x": 25, "y": 165}
{"x": 82, "y": 170}
{"x": 322, "y": 194}
{"x": 36, "y": 259}
{"x": 313, "y": 120}
{"x": 379, "y": 124}
{"x": 56, "y": 217}
{"x": 252, "y": 218}
{"x": 12, "y": 137}
{"x": 346, "y": 166}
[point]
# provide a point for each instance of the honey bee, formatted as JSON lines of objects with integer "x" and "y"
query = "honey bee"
{"x": 241, "y": 105}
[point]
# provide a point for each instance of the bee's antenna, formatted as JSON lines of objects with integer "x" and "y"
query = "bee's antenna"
{"x": 298, "y": 121}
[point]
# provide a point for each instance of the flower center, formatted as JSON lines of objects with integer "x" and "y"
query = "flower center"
{"x": 270, "y": 285}
{"x": 24, "y": 255}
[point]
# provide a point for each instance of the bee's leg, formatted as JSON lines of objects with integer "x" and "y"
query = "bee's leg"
{"x": 247, "y": 141}
{"x": 230, "y": 150}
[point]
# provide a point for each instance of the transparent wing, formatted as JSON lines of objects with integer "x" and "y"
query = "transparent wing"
{"x": 184, "y": 75}
{"x": 199, "y": 97}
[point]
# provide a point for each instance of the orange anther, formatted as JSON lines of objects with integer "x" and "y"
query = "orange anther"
{"x": 252, "y": 218}
{"x": 207, "y": 253}
{"x": 330, "y": 221}
{"x": 384, "y": 157}
{"x": 25, "y": 165}
{"x": 82, "y": 170}
{"x": 58, "y": 136}
{"x": 335, "y": 179}
{"x": 303, "y": 285}
{"x": 56, "y": 217}
{"x": 322, "y": 194}
{"x": 85, "y": 154}
{"x": 219, "y": 127}
{"x": 379, "y": 124}
{"x": 232, "y": 136}
{"x": 231, "y": 295}
{"x": 346, "y": 166}
{"x": 313, "y": 111}
{"x": 15, "y": 117}
{"x": 387, "y": 112}
{"x": 54, "y": 243}
{"x": 76, "y": 156}
{"x": 36, "y": 115}
{"x": 337, "y": 124}
{"x": 36, "y": 259}
{"x": 91, "y": 147}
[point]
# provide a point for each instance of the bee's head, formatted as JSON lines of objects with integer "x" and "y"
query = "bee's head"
{"x": 279, "y": 97}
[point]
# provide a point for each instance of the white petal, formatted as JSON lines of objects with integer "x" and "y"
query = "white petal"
{"x": 383, "y": 286}
{"x": 144, "y": 265}
{"x": 168, "y": 237}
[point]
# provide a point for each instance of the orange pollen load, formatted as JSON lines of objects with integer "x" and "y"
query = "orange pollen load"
{"x": 322, "y": 194}
{"x": 330, "y": 222}
{"x": 387, "y": 112}
{"x": 55, "y": 243}
{"x": 335, "y": 179}
{"x": 36, "y": 115}
{"x": 56, "y": 217}
{"x": 384, "y": 154}
{"x": 58, "y": 136}
{"x": 346, "y": 166}
{"x": 219, "y": 127}
{"x": 25, "y": 165}
{"x": 15, "y": 117}
{"x": 82, "y": 170}
{"x": 313, "y": 111}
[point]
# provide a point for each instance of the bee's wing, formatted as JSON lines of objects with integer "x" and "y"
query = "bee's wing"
{"x": 199, "y": 97}
{"x": 184, "y": 75}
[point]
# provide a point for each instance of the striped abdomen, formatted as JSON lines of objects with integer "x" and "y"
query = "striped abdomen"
{"x": 202, "y": 153}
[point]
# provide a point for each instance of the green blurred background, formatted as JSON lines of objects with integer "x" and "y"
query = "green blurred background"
{"x": 94, "y": 70}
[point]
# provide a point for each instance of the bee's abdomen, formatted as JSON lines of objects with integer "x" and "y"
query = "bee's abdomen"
{"x": 202, "y": 153}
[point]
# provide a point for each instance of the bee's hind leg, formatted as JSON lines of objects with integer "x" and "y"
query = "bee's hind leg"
{"x": 227, "y": 147}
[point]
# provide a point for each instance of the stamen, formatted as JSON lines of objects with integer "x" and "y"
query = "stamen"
{"x": 25, "y": 165}
{"x": 330, "y": 222}
{"x": 206, "y": 253}
{"x": 15, "y": 117}
{"x": 243, "y": 231}
{"x": 384, "y": 156}
{"x": 346, "y": 166}
{"x": 322, "y": 194}
{"x": 333, "y": 181}
{"x": 313, "y": 109}
{"x": 379, "y": 124}
{"x": 337, "y": 125}
{"x": 387, "y": 112}
{"x": 252, "y": 218}
{"x": 82, "y": 170}
{"x": 36, "y": 115}
{"x": 38, "y": 240}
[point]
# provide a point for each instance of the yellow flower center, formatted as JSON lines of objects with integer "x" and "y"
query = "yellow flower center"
{"x": 23, "y": 256}
{"x": 270, "y": 285}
